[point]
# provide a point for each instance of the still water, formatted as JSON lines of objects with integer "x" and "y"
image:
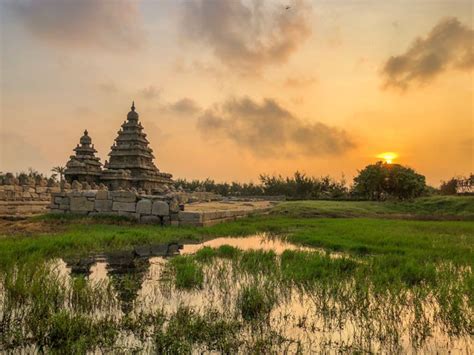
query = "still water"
{"x": 300, "y": 320}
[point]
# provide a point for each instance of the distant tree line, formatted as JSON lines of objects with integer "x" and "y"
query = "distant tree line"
{"x": 458, "y": 185}
{"x": 378, "y": 181}
{"x": 298, "y": 186}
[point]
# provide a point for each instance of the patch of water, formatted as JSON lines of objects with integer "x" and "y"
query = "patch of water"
{"x": 261, "y": 241}
{"x": 309, "y": 320}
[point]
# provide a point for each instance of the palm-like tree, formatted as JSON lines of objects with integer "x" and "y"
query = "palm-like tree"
{"x": 59, "y": 170}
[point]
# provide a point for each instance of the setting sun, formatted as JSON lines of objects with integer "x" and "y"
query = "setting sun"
{"x": 388, "y": 157}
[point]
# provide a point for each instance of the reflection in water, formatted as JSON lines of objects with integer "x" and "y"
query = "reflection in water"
{"x": 259, "y": 241}
{"x": 306, "y": 320}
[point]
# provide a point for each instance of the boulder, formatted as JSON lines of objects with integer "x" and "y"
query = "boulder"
{"x": 144, "y": 206}
{"x": 160, "y": 208}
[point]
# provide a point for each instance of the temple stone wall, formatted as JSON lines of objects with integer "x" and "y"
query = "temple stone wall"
{"x": 20, "y": 200}
{"x": 152, "y": 209}
{"x": 202, "y": 208}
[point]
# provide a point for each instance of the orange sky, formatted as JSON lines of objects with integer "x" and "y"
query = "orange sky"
{"x": 232, "y": 89}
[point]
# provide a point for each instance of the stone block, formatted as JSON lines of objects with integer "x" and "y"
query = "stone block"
{"x": 54, "y": 189}
{"x": 144, "y": 206}
{"x": 130, "y": 215}
{"x": 124, "y": 206}
{"x": 102, "y": 195}
{"x": 123, "y": 196}
{"x": 41, "y": 189}
{"x": 56, "y": 211}
{"x": 58, "y": 200}
{"x": 9, "y": 187}
{"x": 89, "y": 193}
{"x": 81, "y": 204}
{"x": 190, "y": 216}
{"x": 160, "y": 208}
{"x": 150, "y": 219}
{"x": 103, "y": 205}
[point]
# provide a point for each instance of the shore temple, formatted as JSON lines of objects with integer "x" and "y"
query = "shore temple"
{"x": 130, "y": 164}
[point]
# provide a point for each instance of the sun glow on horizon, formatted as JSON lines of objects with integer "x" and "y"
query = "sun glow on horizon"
{"x": 389, "y": 157}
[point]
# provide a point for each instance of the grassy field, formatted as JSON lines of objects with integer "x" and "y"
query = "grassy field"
{"x": 431, "y": 208}
{"x": 364, "y": 230}
{"x": 396, "y": 258}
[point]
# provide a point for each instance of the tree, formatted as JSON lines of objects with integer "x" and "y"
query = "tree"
{"x": 380, "y": 181}
{"x": 59, "y": 170}
{"x": 449, "y": 187}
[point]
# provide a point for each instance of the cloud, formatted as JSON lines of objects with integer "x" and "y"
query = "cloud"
{"x": 247, "y": 35}
{"x": 150, "y": 92}
{"x": 300, "y": 82}
{"x": 449, "y": 45}
{"x": 109, "y": 87}
{"x": 268, "y": 129}
{"x": 184, "y": 106}
{"x": 85, "y": 23}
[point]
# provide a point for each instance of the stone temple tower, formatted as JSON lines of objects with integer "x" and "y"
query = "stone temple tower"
{"x": 131, "y": 159}
{"x": 84, "y": 166}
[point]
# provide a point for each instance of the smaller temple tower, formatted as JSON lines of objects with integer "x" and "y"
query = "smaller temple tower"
{"x": 84, "y": 166}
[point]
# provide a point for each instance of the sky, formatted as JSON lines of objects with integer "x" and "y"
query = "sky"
{"x": 231, "y": 89}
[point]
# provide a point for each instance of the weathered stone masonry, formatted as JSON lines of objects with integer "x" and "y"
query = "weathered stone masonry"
{"x": 20, "y": 200}
{"x": 163, "y": 209}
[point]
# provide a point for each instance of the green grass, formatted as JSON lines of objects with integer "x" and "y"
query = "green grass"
{"x": 439, "y": 207}
{"x": 388, "y": 265}
{"x": 432, "y": 240}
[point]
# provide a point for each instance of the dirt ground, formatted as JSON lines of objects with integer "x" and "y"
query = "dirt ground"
{"x": 27, "y": 226}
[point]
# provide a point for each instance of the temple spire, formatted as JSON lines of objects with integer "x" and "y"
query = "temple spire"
{"x": 133, "y": 105}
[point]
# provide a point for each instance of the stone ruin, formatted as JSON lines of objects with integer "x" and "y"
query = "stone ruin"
{"x": 130, "y": 165}
{"x": 25, "y": 194}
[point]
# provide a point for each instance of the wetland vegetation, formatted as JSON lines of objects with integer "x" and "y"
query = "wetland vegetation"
{"x": 367, "y": 281}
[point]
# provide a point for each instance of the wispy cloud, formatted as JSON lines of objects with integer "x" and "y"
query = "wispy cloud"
{"x": 246, "y": 35}
{"x": 268, "y": 129}
{"x": 85, "y": 23}
{"x": 449, "y": 45}
{"x": 300, "y": 81}
{"x": 149, "y": 93}
{"x": 184, "y": 106}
